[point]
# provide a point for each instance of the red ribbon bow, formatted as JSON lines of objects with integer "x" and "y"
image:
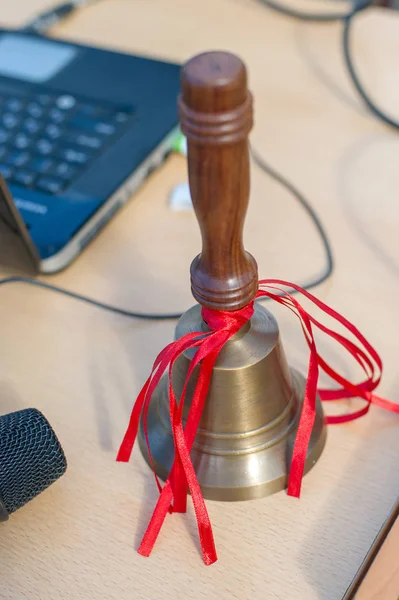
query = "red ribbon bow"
{"x": 223, "y": 325}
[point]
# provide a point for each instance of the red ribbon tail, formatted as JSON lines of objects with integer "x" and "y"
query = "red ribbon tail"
{"x": 126, "y": 447}
{"x": 180, "y": 487}
{"x": 156, "y": 521}
{"x": 305, "y": 427}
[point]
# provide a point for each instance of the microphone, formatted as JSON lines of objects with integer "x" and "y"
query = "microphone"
{"x": 31, "y": 459}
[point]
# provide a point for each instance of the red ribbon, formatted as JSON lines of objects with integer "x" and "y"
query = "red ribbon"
{"x": 223, "y": 325}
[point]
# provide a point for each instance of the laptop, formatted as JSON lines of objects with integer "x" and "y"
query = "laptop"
{"x": 80, "y": 129}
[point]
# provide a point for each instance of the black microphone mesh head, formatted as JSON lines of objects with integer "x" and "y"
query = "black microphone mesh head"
{"x": 31, "y": 457}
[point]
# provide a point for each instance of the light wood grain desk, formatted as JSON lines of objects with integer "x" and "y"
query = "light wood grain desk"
{"x": 382, "y": 581}
{"x": 83, "y": 367}
{"x": 378, "y": 576}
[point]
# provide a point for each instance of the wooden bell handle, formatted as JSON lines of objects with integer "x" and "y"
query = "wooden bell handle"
{"x": 216, "y": 117}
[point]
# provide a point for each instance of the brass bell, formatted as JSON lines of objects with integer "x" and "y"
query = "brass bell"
{"x": 244, "y": 443}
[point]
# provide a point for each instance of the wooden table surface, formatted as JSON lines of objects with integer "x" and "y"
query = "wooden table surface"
{"x": 382, "y": 580}
{"x": 378, "y": 576}
{"x": 83, "y": 367}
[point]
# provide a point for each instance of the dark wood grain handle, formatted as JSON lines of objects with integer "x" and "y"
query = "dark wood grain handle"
{"x": 216, "y": 116}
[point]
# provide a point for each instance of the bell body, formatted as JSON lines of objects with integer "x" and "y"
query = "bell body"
{"x": 244, "y": 442}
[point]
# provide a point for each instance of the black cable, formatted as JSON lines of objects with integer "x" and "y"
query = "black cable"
{"x": 347, "y": 18}
{"x": 97, "y": 303}
{"x": 329, "y": 268}
{"x": 346, "y": 45}
{"x": 49, "y": 18}
{"x": 319, "y": 17}
{"x": 173, "y": 316}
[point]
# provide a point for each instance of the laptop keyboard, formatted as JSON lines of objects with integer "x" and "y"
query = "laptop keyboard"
{"x": 47, "y": 140}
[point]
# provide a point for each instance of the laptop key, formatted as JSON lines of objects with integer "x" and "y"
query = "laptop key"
{"x": 14, "y": 105}
{"x": 24, "y": 178}
{"x": 21, "y": 141}
{"x": 44, "y": 99}
{"x": 44, "y": 147}
{"x": 105, "y": 128}
{"x": 53, "y": 131}
{"x": 74, "y": 156}
{"x": 4, "y": 135}
{"x": 18, "y": 159}
{"x": 50, "y": 185}
{"x": 6, "y": 171}
{"x": 65, "y": 170}
{"x": 9, "y": 120}
{"x": 86, "y": 141}
{"x": 35, "y": 110}
{"x": 95, "y": 127}
{"x": 41, "y": 165}
{"x": 32, "y": 126}
{"x": 93, "y": 112}
{"x": 57, "y": 116}
{"x": 121, "y": 117}
{"x": 65, "y": 102}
